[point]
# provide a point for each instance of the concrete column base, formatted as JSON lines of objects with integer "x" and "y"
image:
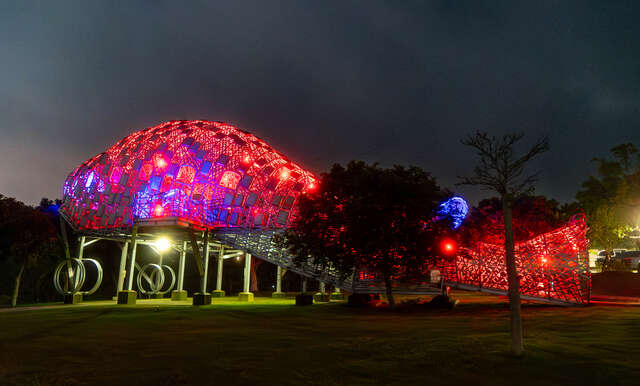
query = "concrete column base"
{"x": 337, "y": 296}
{"x": 245, "y": 296}
{"x": 72, "y": 298}
{"x": 304, "y": 299}
{"x": 178, "y": 295}
{"x": 218, "y": 294}
{"x": 321, "y": 297}
{"x": 127, "y": 297}
{"x": 157, "y": 296}
{"x": 278, "y": 295}
{"x": 201, "y": 299}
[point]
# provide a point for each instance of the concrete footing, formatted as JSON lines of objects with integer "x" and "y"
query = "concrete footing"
{"x": 72, "y": 298}
{"x": 321, "y": 297}
{"x": 304, "y": 300}
{"x": 157, "y": 296}
{"x": 245, "y": 296}
{"x": 217, "y": 293}
{"x": 278, "y": 295}
{"x": 179, "y": 295}
{"x": 201, "y": 299}
{"x": 127, "y": 297}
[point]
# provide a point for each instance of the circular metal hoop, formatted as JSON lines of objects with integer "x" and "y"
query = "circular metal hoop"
{"x": 153, "y": 285}
{"x": 98, "y": 279}
{"x": 173, "y": 280}
{"x": 77, "y": 276}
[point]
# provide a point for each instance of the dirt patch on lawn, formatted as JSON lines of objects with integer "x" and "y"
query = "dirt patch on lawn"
{"x": 615, "y": 284}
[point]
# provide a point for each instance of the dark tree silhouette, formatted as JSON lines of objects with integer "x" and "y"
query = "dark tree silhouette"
{"x": 366, "y": 217}
{"x": 26, "y": 234}
{"x": 501, "y": 171}
{"x": 611, "y": 197}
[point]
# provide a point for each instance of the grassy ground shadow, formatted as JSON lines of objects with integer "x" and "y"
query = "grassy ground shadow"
{"x": 274, "y": 342}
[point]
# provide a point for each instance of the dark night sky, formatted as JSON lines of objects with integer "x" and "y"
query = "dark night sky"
{"x": 323, "y": 82}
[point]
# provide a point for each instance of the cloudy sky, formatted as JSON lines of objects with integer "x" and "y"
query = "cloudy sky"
{"x": 321, "y": 81}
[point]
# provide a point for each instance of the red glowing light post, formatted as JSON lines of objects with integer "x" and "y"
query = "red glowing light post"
{"x": 448, "y": 247}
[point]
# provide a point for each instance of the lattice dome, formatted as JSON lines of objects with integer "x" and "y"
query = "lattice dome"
{"x": 209, "y": 174}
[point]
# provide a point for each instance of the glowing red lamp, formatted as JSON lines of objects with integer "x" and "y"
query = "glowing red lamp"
{"x": 448, "y": 247}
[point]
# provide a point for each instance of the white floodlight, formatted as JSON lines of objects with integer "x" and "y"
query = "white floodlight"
{"x": 163, "y": 244}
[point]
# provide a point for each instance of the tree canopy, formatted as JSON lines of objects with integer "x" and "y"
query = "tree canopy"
{"x": 366, "y": 217}
{"x": 611, "y": 198}
{"x": 532, "y": 216}
{"x": 26, "y": 235}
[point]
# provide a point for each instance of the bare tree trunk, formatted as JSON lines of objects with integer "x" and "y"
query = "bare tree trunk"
{"x": 16, "y": 289}
{"x": 38, "y": 288}
{"x": 514, "y": 281}
{"x": 389, "y": 289}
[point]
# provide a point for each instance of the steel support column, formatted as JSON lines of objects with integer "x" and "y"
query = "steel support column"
{"x": 129, "y": 296}
{"x": 183, "y": 255}
{"x": 220, "y": 266}
{"x": 246, "y": 295}
{"x": 132, "y": 264}
{"x": 279, "y": 279}
{"x": 123, "y": 266}
{"x": 247, "y": 272}
{"x": 205, "y": 248}
{"x": 81, "y": 248}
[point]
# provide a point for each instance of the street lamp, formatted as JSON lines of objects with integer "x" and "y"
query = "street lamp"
{"x": 163, "y": 244}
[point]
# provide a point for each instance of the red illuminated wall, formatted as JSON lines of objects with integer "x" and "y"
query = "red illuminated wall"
{"x": 554, "y": 265}
{"x": 208, "y": 173}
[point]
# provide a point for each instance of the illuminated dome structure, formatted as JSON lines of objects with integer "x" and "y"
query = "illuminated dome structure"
{"x": 207, "y": 174}
{"x": 201, "y": 188}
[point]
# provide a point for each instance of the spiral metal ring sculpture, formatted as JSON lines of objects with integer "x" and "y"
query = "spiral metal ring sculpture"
{"x": 155, "y": 286}
{"x": 77, "y": 274}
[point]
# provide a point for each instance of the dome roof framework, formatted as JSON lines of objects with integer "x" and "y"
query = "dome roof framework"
{"x": 205, "y": 174}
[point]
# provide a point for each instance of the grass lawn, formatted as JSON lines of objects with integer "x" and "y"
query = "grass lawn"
{"x": 274, "y": 342}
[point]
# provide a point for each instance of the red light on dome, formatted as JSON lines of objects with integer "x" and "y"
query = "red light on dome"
{"x": 246, "y": 159}
{"x": 284, "y": 174}
{"x": 186, "y": 174}
{"x": 160, "y": 162}
{"x": 158, "y": 210}
{"x": 311, "y": 186}
{"x": 230, "y": 179}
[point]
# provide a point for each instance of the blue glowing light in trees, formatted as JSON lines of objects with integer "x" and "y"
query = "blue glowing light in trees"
{"x": 455, "y": 208}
